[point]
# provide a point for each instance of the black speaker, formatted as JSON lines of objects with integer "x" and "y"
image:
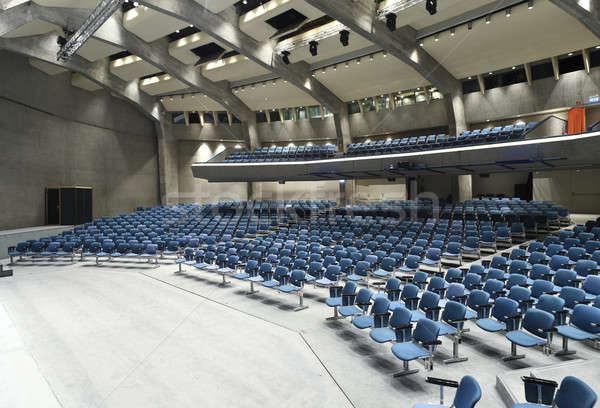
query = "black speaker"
{"x": 68, "y": 205}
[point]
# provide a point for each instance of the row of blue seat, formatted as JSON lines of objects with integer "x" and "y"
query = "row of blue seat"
{"x": 288, "y": 153}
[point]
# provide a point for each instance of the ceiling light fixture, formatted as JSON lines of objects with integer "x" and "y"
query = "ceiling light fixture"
{"x": 358, "y": 61}
{"x": 436, "y": 38}
{"x": 470, "y": 25}
{"x": 335, "y": 67}
{"x": 384, "y": 54}
{"x": 452, "y": 32}
{"x": 530, "y": 4}
{"x": 488, "y": 19}
{"x": 371, "y": 58}
{"x": 514, "y": 67}
{"x": 508, "y": 12}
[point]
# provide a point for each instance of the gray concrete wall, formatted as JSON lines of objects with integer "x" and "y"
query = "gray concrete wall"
{"x": 53, "y": 134}
{"x": 209, "y": 132}
{"x": 578, "y": 190}
{"x": 300, "y": 131}
{"x": 543, "y": 94}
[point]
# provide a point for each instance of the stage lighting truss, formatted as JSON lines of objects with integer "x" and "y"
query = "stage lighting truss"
{"x": 98, "y": 16}
{"x": 321, "y": 33}
{"x": 396, "y": 7}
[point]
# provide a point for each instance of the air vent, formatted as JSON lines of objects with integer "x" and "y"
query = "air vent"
{"x": 287, "y": 20}
{"x": 208, "y": 52}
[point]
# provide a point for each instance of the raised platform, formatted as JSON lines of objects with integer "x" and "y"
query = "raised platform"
{"x": 510, "y": 385}
{"x": 12, "y": 237}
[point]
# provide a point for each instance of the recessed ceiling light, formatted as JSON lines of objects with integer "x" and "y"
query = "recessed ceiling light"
{"x": 245, "y": 2}
{"x": 421, "y": 43}
{"x": 335, "y": 67}
{"x": 452, "y": 32}
{"x": 487, "y": 120}
{"x": 436, "y": 38}
{"x": 470, "y": 78}
{"x": 598, "y": 47}
{"x": 508, "y": 12}
{"x": 530, "y": 4}
{"x": 514, "y": 67}
{"x": 384, "y": 54}
{"x": 488, "y": 19}
{"x": 491, "y": 73}
{"x": 569, "y": 54}
{"x": 346, "y": 64}
{"x": 358, "y": 61}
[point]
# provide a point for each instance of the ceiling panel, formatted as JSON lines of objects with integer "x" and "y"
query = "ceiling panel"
{"x": 254, "y": 21}
{"x": 132, "y": 67}
{"x": 35, "y": 27}
{"x": 94, "y": 50}
{"x": 181, "y": 49}
{"x": 274, "y": 94}
{"x": 216, "y": 6}
{"x": 382, "y": 75}
{"x": 525, "y": 36}
{"x": 233, "y": 69}
{"x": 418, "y": 17}
{"x": 46, "y": 67}
{"x": 149, "y": 24}
{"x": 191, "y": 102}
{"x": 83, "y": 82}
{"x": 328, "y": 48}
{"x": 68, "y": 3}
{"x": 162, "y": 84}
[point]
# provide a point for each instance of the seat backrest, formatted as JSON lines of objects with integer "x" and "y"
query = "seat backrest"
{"x": 504, "y": 307}
{"x": 574, "y": 393}
{"x": 426, "y": 331}
{"x": 468, "y": 393}
{"x": 572, "y": 296}
{"x": 584, "y": 317}
{"x": 536, "y": 321}
{"x": 453, "y": 311}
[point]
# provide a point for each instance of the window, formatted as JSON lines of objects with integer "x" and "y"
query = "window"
{"x": 368, "y": 104}
{"x": 301, "y": 113}
{"x": 353, "y": 107}
{"x": 288, "y": 114}
{"x": 208, "y": 118}
{"x": 435, "y": 94}
{"x": 408, "y": 99}
{"x": 470, "y": 86}
{"x": 327, "y": 112}
{"x": 570, "y": 64}
{"x": 420, "y": 96}
{"x": 234, "y": 119}
{"x": 383, "y": 102}
{"x": 542, "y": 70}
{"x": 178, "y": 118}
{"x": 274, "y": 115}
{"x": 261, "y": 117}
{"x": 223, "y": 118}
{"x": 194, "y": 117}
{"x": 315, "y": 112}
{"x": 595, "y": 58}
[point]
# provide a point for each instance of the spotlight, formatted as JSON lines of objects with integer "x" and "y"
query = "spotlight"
{"x": 313, "y": 48}
{"x": 488, "y": 19}
{"x": 371, "y": 58}
{"x": 390, "y": 21}
{"x": 508, "y": 12}
{"x": 452, "y": 32}
{"x": 285, "y": 56}
{"x": 530, "y": 4}
{"x": 346, "y": 64}
{"x": 431, "y": 6}
{"x": 421, "y": 43}
{"x": 384, "y": 54}
{"x": 436, "y": 38}
{"x": 335, "y": 67}
{"x": 344, "y": 37}
{"x": 514, "y": 67}
{"x": 358, "y": 61}
{"x": 470, "y": 25}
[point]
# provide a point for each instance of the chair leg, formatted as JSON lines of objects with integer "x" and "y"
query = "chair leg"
{"x": 513, "y": 353}
{"x": 252, "y": 291}
{"x": 456, "y": 358}
{"x": 301, "y": 305}
{"x": 336, "y": 315}
{"x": 406, "y": 370}
{"x": 565, "y": 348}
{"x": 225, "y": 282}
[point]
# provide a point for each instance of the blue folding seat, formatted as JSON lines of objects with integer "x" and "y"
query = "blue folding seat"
{"x": 584, "y": 325}
{"x": 378, "y": 316}
{"x": 572, "y": 393}
{"x": 425, "y": 338}
{"x": 504, "y": 313}
{"x": 468, "y": 393}
{"x": 338, "y": 298}
{"x": 361, "y": 305}
{"x": 537, "y": 327}
{"x": 399, "y": 330}
{"x": 428, "y": 307}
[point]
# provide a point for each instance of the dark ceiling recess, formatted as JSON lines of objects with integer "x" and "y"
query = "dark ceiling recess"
{"x": 127, "y": 6}
{"x": 307, "y": 27}
{"x": 242, "y": 7}
{"x": 230, "y": 54}
{"x": 118, "y": 55}
{"x": 208, "y": 52}
{"x": 184, "y": 32}
{"x": 287, "y": 20}
{"x": 152, "y": 75}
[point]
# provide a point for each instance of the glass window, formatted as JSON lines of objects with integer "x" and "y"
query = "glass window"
{"x": 435, "y": 94}
{"x": 408, "y": 99}
{"x": 234, "y": 119}
{"x": 194, "y": 117}
{"x": 327, "y": 112}
{"x": 420, "y": 96}
{"x": 301, "y": 113}
{"x": 178, "y": 118}
{"x": 368, "y": 104}
{"x": 288, "y": 114}
{"x": 353, "y": 107}
{"x": 274, "y": 115}
{"x": 383, "y": 102}
{"x": 261, "y": 117}
{"x": 223, "y": 118}
{"x": 315, "y": 112}
{"x": 208, "y": 118}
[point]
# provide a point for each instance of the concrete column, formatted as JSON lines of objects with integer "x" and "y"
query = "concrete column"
{"x": 412, "y": 187}
{"x": 342, "y": 129}
{"x": 186, "y": 116}
{"x": 555, "y": 68}
{"x": 465, "y": 187}
{"x": 392, "y": 102}
{"x": 455, "y": 109}
{"x": 251, "y": 134}
{"x": 528, "y": 73}
{"x": 168, "y": 163}
{"x": 347, "y": 190}
{"x": 215, "y": 118}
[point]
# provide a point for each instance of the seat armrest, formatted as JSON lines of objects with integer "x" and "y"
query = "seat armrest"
{"x": 530, "y": 301}
{"x": 406, "y": 326}
{"x": 381, "y": 314}
{"x": 410, "y": 299}
{"x": 550, "y": 330}
{"x": 595, "y": 324}
{"x": 478, "y": 285}
{"x": 432, "y": 343}
{"x": 363, "y": 304}
{"x": 427, "y": 309}
{"x": 458, "y": 320}
{"x": 442, "y": 382}
{"x": 539, "y": 381}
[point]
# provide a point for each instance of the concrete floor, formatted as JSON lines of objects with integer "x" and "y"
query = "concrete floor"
{"x": 129, "y": 335}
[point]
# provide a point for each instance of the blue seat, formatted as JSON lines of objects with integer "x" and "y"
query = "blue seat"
{"x": 425, "y": 338}
{"x": 537, "y": 327}
{"x": 343, "y": 297}
{"x": 399, "y": 330}
{"x": 502, "y": 317}
{"x": 572, "y": 393}
{"x": 468, "y": 393}
{"x": 361, "y": 305}
{"x": 584, "y": 325}
{"x": 378, "y": 315}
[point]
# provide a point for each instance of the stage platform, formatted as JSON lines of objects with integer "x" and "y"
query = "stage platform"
{"x": 11, "y": 237}
{"x": 510, "y": 386}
